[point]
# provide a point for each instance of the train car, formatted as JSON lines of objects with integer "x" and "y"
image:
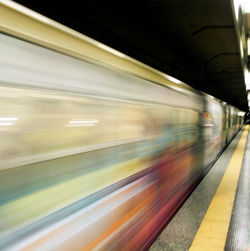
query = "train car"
{"x": 98, "y": 150}
{"x": 227, "y": 123}
{"x": 214, "y": 117}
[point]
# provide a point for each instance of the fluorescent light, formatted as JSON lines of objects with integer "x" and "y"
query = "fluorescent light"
{"x": 8, "y": 119}
{"x": 26, "y": 11}
{"x": 113, "y": 51}
{"x": 247, "y": 86}
{"x": 236, "y": 8}
{"x": 248, "y": 46}
{"x": 81, "y": 125}
{"x": 6, "y": 124}
{"x": 83, "y": 121}
{"x": 175, "y": 80}
{"x": 247, "y": 6}
{"x": 247, "y": 80}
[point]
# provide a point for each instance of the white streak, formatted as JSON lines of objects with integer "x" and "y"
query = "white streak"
{"x": 83, "y": 121}
{"x": 6, "y": 124}
{"x": 8, "y": 119}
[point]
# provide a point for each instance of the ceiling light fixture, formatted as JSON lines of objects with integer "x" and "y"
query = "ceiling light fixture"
{"x": 246, "y": 4}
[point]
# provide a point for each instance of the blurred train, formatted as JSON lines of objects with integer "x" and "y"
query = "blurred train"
{"x": 97, "y": 150}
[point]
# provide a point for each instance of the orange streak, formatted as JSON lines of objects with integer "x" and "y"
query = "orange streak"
{"x": 116, "y": 225}
{"x": 48, "y": 237}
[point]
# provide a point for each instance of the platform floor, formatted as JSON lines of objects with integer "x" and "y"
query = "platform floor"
{"x": 216, "y": 216}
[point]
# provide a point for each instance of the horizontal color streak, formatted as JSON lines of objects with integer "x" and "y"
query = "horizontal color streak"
{"x": 42, "y": 203}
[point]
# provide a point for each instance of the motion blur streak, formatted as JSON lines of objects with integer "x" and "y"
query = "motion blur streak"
{"x": 94, "y": 157}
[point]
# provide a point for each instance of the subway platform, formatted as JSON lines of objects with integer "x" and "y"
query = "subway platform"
{"x": 217, "y": 214}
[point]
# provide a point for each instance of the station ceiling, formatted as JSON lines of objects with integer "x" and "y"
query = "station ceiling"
{"x": 194, "y": 41}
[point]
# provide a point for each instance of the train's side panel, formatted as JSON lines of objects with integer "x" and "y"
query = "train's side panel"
{"x": 214, "y": 120}
{"x": 91, "y": 158}
{"x": 240, "y": 115}
{"x": 227, "y": 123}
{"x": 233, "y": 121}
{"x": 241, "y": 118}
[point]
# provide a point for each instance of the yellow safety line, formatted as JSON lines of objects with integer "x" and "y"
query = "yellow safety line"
{"x": 213, "y": 230}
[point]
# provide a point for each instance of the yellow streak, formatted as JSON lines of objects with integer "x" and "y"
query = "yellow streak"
{"x": 213, "y": 230}
{"x": 39, "y": 204}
